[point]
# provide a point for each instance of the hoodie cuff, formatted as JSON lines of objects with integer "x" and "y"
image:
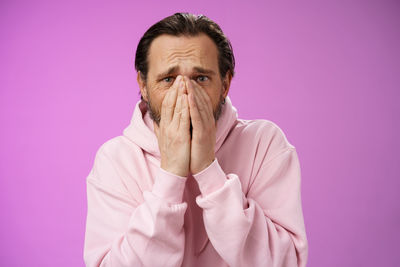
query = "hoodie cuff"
{"x": 169, "y": 186}
{"x": 211, "y": 178}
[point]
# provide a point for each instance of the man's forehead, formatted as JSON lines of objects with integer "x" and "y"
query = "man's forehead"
{"x": 167, "y": 51}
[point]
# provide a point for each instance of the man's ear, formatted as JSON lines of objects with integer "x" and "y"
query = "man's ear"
{"x": 142, "y": 85}
{"x": 226, "y": 83}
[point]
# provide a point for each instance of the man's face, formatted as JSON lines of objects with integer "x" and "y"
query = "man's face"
{"x": 195, "y": 57}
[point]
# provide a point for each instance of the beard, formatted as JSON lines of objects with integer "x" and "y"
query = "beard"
{"x": 156, "y": 116}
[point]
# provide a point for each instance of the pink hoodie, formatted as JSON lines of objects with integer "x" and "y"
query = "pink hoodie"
{"x": 243, "y": 210}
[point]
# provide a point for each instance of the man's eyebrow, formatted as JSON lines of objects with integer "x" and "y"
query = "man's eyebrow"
{"x": 203, "y": 70}
{"x": 170, "y": 71}
{"x": 174, "y": 69}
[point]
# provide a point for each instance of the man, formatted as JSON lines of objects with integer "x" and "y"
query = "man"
{"x": 188, "y": 183}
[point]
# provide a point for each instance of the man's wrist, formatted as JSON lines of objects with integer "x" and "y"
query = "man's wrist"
{"x": 169, "y": 186}
{"x": 174, "y": 171}
{"x": 205, "y": 166}
{"x": 211, "y": 178}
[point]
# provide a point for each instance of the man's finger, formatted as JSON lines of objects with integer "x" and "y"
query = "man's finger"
{"x": 168, "y": 105}
{"x": 169, "y": 101}
{"x": 182, "y": 85}
{"x": 177, "y": 113}
{"x": 206, "y": 99}
{"x": 176, "y": 116}
{"x": 184, "y": 124}
{"x": 194, "y": 112}
{"x": 199, "y": 97}
{"x": 200, "y": 103}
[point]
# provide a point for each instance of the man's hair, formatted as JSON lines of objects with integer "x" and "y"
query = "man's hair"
{"x": 185, "y": 24}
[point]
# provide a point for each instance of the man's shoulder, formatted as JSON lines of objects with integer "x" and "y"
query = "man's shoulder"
{"x": 118, "y": 145}
{"x": 112, "y": 162}
{"x": 257, "y": 124}
{"x": 264, "y": 132}
{"x": 113, "y": 152}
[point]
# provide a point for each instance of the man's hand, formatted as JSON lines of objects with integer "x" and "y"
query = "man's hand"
{"x": 203, "y": 137}
{"x": 173, "y": 134}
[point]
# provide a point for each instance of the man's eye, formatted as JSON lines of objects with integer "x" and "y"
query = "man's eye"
{"x": 168, "y": 79}
{"x": 202, "y": 78}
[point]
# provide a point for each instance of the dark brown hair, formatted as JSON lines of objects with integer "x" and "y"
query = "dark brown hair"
{"x": 190, "y": 25}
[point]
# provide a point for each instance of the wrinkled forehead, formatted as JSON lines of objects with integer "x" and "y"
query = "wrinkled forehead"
{"x": 183, "y": 51}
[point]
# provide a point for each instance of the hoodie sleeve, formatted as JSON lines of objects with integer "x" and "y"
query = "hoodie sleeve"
{"x": 266, "y": 228}
{"x": 120, "y": 231}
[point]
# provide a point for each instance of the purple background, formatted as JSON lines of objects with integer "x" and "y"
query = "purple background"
{"x": 327, "y": 73}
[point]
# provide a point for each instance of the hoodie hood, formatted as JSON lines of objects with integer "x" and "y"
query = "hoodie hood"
{"x": 141, "y": 132}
